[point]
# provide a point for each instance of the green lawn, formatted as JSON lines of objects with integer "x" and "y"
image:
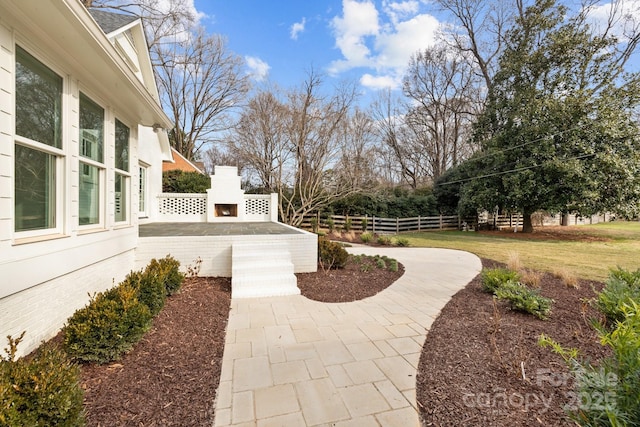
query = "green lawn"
{"x": 588, "y": 260}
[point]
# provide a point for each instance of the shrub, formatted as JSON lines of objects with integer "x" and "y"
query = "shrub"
{"x": 393, "y": 265}
{"x": 108, "y": 326}
{"x": 608, "y": 393}
{"x": 150, "y": 288}
{"x": 177, "y": 181}
{"x": 347, "y": 225}
{"x": 522, "y": 298}
{"x": 384, "y": 240}
{"x": 330, "y": 225}
{"x": 314, "y": 224}
{"x": 401, "y": 242}
{"x": 364, "y": 223}
{"x": 530, "y": 278}
{"x": 493, "y": 278}
{"x": 168, "y": 272}
{"x": 366, "y": 237}
{"x": 621, "y": 288}
{"x": 331, "y": 255}
{"x": 40, "y": 390}
{"x": 380, "y": 263}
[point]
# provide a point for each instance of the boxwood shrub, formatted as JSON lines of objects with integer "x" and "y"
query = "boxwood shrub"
{"x": 40, "y": 390}
{"x": 108, "y": 326}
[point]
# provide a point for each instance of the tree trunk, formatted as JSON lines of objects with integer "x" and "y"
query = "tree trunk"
{"x": 527, "y": 223}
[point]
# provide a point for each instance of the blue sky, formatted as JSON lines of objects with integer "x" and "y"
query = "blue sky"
{"x": 366, "y": 41}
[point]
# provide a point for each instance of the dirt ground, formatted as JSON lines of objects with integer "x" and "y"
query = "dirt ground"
{"x": 481, "y": 364}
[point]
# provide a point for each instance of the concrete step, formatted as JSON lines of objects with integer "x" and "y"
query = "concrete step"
{"x": 262, "y": 270}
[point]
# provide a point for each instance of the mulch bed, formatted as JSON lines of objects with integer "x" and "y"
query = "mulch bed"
{"x": 171, "y": 376}
{"x": 351, "y": 283}
{"x": 472, "y": 363}
{"x": 470, "y": 372}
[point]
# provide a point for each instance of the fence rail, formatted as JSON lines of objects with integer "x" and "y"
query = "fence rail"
{"x": 445, "y": 222}
{"x": 386, "y": 225}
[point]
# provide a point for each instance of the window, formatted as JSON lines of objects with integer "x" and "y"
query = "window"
{"x": 92, "y": 170}
{"x": 142, "y": 207}
{"x": 38, "y": 145}
{"x": 122, "y": 176}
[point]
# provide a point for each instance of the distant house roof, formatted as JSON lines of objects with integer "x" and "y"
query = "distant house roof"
{"x": 110, "y": 21}
{"x": 181, "y": 163}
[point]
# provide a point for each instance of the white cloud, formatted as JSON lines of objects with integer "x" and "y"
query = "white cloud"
{"x": 359, "y": 20}
{"x": 628, "y": 14}
{"x": 381, "y": 40}
{"x": 380, "y": 82}
{"x": 257, "y": 68}
{"x": 297, "y": 28}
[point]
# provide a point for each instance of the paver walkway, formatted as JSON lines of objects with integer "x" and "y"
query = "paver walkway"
{"x": 290, "y": 361}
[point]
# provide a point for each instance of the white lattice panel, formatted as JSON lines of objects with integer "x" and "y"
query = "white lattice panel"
{"x": 182, "y": 205}
{"x": 257, "y": 206}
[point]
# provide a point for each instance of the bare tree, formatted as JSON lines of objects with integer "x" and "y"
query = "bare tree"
{"x": 259, "y": 139}
{"x": 444, "y": 98}
{"x": 405, "y": 160}
{"x": 313, "y": 125}
{"x": 480, "y": 28}
{"x": 200, "y": 83}
{"x": 357, "y": 163}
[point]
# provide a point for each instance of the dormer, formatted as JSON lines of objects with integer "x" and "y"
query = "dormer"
{"x": 126, "y": 33}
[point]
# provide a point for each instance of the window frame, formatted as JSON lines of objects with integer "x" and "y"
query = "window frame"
{"x": 125, "y": 174}
{"x": 88, "y": 161}
{"x": 59, "y": 154}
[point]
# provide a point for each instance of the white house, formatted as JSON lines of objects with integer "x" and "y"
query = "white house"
{"x": 82, "y": 142}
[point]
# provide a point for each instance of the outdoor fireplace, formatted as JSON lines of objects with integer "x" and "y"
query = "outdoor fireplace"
{"x": 226, "y": 210}
{"x": 225, "y": 198}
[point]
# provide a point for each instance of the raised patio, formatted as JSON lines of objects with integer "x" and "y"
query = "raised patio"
{"x": 261, "y": 256}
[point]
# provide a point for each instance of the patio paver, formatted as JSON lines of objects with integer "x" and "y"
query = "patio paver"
{"x": 290, "y": 361}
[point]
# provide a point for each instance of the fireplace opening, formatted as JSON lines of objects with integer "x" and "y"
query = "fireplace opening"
{"x": 225, "y": 210}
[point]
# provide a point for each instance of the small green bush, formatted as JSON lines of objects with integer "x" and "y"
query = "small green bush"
{"x": 608, "y": 393}
{"x": 40, "y": 390}
{"x": 150, "y": 287}
{"x": 364, "y": 222}
{"x": 331, "y": 255}
{"x": 384, "y": 240}
{"x": 621, "y": 288}
{"x": 331, "y": 225}
{"x": 493, "y": 278}
{"x": 401, "y": 242}
{"x": 347, "y": 225}
{"x": 393, "y": 265}
{"x": 525, "y": 299}
{"x": 108, "y": 326}
{"x": 168, "y": 272}
{"x": 314, "y": 224}
{"x": 366, "y": 237}
{"x": 380, "y": 263}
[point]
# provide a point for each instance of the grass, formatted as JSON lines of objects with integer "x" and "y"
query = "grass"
{"x": 588, "y": 260}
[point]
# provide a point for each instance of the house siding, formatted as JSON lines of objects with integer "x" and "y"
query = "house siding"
{"x": 42, "y": 310}
{"x": 46, "y": 278}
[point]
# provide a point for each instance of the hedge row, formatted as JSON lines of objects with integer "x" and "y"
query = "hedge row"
{"x": 116, "y": 319}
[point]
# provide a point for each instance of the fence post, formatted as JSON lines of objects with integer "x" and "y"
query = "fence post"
{"x": 373, "y": 224}
{"x": 440, "y": 221}
{"x": 419, "y": 223}
{"x": 397, "y": 225}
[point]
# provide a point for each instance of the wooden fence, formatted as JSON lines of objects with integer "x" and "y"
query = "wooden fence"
{"x": 445, "y": 222}
{"x": 386, "y": 225}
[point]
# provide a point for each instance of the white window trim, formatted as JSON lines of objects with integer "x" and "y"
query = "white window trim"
{"x": 102, "y": 167}
{"x": 60, "y": 154}
{"x": 144, "y": 191}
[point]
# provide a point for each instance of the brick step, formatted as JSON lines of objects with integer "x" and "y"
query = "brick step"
{"x": 262, "y": 270}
